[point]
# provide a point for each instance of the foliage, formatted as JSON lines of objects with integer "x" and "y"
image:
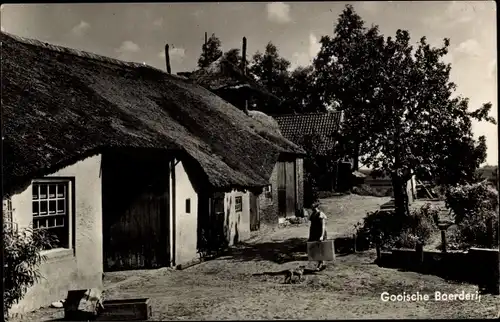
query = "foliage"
{"x": 302, "y": 97}
{"x": 330, "y": 194}
{"x": 22, "y": 259}
{"x": 233, "y": 55}
{"x": 473, "y": 206}
{"x": 393, "y": 230}
{"x": 367, "y": 190}
{"x": 400, "y": 111}
{"x": 271, "y": 70}
{"x": 210, "y": 51}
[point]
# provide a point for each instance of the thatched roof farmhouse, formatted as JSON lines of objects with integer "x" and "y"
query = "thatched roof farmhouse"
{"x": 60, "y": 105}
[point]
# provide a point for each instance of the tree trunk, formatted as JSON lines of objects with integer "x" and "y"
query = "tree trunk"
{"x": 400, "y": 195}
{"x": 355, "y": 164}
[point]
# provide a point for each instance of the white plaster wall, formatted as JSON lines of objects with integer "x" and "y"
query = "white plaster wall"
{"x": 65, "y": 270}
{"x": 237, "y": 222}
{"x": 186, "y": 232}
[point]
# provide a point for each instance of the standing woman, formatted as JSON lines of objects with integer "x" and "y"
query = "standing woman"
{"x": 317, "y": 230}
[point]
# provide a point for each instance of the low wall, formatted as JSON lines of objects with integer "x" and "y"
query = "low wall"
{"x": 479, "y": 266}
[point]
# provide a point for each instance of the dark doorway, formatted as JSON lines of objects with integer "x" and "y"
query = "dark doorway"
{"x": 135, "y": 210}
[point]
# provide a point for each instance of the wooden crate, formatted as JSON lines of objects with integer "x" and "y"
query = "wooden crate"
{"x": 126, "y": 310}
{"x": 321, "y": 251}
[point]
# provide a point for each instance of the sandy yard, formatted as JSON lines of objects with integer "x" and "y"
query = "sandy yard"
{"x": 351, "y": 287}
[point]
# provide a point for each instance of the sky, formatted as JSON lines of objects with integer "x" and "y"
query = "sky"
{"x": 139, "y": 32}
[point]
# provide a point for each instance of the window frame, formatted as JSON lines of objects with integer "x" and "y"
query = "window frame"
{"x": 8, "y": 214}
{"x": 268, "y": 191}
{"x": 240, "y": 208}
{"x": 69, "y": 182}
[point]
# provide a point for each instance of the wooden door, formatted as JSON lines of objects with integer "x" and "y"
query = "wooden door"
{"x": 254, "y": 212}
{"x": 290, "y": 188}
{"x": 135, "y": 213}
{"x": 286, "y": 189}
{"x": 281, "y": 189}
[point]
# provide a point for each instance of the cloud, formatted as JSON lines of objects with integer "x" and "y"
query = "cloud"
{"x": 314, "y": 45}
{"x": 470, "y": 47}
{"x": 456, "y": 13}
{"x": 370, "y": 6}
{"x": 128, "y": 46}
{"x": 278, "y": 12}
{"x": 176, "y": 54}
{"x": 305, "y": 58}
{"x": 492, "y": 68}
{"x": 197, "y": 13}
{"x": 158, "y": 22}
{"x": 81, "y": 28}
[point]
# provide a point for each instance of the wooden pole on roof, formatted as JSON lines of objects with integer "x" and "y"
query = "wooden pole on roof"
{"x": 244, "y": 66}
{"x": 167, "y": 59}
{"x": 205, "y": 47}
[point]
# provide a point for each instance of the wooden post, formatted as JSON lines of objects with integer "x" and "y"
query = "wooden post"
{"x": 489, "y": 232}
{"x": 205, "y": 49}
{"x": 419, "y": 250}
{"x": 167, "y": 58}
{"x": 443, "y": 240}
{"x": 354, "y": 242}
{"x": 244, "y": 66}
{"x": 377, "y": 247}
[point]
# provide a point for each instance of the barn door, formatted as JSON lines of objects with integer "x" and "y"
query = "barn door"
{"x": 135, "y": 214}
{"x": 281, "y": 189}
{"x": 290, "y": 188}
{"x": 254, "y": 213}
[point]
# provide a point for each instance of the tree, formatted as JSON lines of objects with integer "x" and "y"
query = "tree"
{"x": 344, "y": 74}
{"x": 233, "y": 55}
{"x": 271, "y": 70}
{"x": 302, "y": 95}
{"x": 404, "y": 119}
{"x": 210, "y": 52}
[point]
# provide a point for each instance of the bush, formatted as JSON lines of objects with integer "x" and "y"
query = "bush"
{"x": 398, "y": 231}
{"x": 329, "y": 194}
{"x": 474, "y": 206}
{"x": 22, "y": 258}
{"x": 367, "y": 190}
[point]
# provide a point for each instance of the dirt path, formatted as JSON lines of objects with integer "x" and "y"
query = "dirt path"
{"x": 225, "y": 288}
{"x": 343, "y": 213}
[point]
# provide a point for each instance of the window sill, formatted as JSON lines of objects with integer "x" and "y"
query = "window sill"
{"x": 57, "y": 253}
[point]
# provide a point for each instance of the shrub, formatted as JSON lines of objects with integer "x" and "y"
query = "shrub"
{"x": 367, "y": 190}
{"x": 398, "y": 231}
{"x": 473, "y": 206}
{"x": 472, "y": 200}
{"x": 22, "y": 259}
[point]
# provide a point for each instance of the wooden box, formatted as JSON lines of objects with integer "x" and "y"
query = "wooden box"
{"x": 126, "y": 310}
{"x": 321, "y": 251}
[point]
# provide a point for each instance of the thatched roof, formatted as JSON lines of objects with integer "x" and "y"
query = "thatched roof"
{"x": 223, "y": 76}
{"x": 265, "y": 119}
{"x": 61, "y": 105}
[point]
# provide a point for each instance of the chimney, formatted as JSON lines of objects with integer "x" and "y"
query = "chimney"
{"x": 244, "y": 56}
{"x": 167, "y": 59}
